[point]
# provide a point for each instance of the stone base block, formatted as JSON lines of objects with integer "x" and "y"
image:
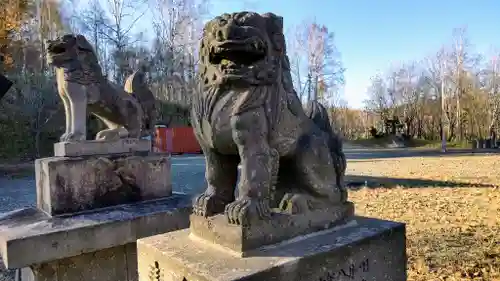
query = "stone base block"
{"x": 72, "y": 184}
{"x": 117, "y": 263}
{"x": 98, "y": 147}
{"x": 243, "y": 239}
{"x": 364, "y": 249}
{"x": 30, "y": 237}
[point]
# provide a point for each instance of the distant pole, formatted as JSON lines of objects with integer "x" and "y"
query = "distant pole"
{"x": 443, "y": 109}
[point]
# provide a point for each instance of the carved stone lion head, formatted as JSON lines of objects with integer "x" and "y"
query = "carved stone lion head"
{"x": 72, "y": 52}
{"x": 242, "y": 48}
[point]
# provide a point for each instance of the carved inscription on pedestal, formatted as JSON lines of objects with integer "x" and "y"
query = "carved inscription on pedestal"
{"x": 155, "y": 273}
{"x": 353, "y": 272}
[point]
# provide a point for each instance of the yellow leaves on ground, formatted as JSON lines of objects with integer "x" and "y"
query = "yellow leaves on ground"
{"x": 453, "y": 233}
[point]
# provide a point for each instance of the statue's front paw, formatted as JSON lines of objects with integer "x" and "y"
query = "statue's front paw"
{"x": 207, "y": 205}
{"x": 244, "y": 211}
{"x": 73, "y": 137}
{"x": 63, "y": 137}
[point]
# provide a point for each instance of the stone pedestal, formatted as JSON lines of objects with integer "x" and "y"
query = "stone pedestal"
{"x": 362, "y": 249}
{"x": 90, "y": 211}
{"x": 73, "y": 184}
{"x": 97, "y": 147}
{"x": 95, "y": 245}
{"x": 242, "y": 241}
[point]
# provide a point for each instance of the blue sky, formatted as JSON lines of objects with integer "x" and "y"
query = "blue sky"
{"x": 373, "y": 35}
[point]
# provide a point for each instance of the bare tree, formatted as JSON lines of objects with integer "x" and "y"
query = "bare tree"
{"x": 323, "y": 68}
{"x": 93, "y": 22}
{"x": 463, "y": 63}
{"x": 296, "y": 48}
{"x": 491, "y": 84}
{"x": 379, "y": 101}
{"x": 124, "y": 15}
{"x": 178, "y": 26}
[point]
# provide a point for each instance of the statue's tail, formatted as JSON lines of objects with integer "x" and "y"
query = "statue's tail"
{"x": 136, "y": 85}
{"x": 319, "y": 115}
{"x": 317, "y": 112}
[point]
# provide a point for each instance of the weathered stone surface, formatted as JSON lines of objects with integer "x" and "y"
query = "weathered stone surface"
{"x": 56, "y": 238}
{"x": 248, "y": 112}
{"x": 106, "y": 265}
{"x": 128, "y": 112}
{"x": 243, "y": 239}
{"x": 368, "y": 250}
{"x": 72, "y": 184}
{"x": 101, "y": 147}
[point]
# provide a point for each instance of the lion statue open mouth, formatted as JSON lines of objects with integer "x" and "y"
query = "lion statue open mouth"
{"x": 248, "y": 112}
{"x": 128, "y": 112}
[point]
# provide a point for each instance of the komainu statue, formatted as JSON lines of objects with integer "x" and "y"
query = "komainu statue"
{"x": 128, "y": 112}
{"x": 248, "y": 111}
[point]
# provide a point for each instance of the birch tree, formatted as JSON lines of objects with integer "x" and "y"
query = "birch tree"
{"x": 322, "y": 74}
{"x": 124, "y": 16}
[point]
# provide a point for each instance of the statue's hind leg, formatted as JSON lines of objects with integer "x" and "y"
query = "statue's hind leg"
{"x": 318, "y": 174}
{"x": 135, "y": 117}
{"x": 221, "y": 173}
{"x": 113, "y": 132}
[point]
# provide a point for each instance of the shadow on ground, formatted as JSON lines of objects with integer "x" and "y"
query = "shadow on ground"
{"x": 358, "y": 182}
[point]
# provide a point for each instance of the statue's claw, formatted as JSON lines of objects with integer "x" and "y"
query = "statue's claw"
{"x": 63, "y": 137}
{"x": 207, "y": 205}
{"x": 246, "y": 210}
{"x": 69, "y": 137}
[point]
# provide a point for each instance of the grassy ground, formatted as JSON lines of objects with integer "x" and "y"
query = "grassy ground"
{"x": 437, "y": 144}
{"x": 453, "y": 233}
{"x": 415, "y": 143}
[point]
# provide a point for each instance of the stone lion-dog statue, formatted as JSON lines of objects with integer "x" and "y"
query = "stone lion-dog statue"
{"x": 249, "y": 113}
{"x": 127, "y": 113}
